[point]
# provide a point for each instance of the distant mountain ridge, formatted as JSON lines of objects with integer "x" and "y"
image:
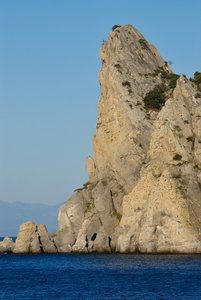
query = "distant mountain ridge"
{"x": 12, "y": 215}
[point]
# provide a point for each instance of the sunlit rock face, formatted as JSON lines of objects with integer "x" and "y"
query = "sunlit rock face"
{"x": 34, "y": 238}
{"x": 7, "y": 245}
{"x": 162, "y": 213}
{"x": 144, "y": 183}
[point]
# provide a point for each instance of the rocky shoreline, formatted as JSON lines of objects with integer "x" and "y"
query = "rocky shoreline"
{"x": 32, "y": 238}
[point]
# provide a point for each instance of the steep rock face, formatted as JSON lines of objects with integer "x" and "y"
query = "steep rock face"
{"x": 163, "y": 211}
{"x": 120, "y": 144}
{"x": 144, "y": 183}
{"x": 89, "y": 220}
{"x": 121, "y": 127}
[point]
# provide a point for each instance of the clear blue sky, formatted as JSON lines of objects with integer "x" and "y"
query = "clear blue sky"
{"x": 49, "y": 90}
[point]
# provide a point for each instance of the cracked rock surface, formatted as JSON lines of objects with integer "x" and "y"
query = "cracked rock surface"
{"x": 34, "y": 238}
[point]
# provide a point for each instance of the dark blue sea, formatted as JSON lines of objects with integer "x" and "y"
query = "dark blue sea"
{"x": 100, "y": 276}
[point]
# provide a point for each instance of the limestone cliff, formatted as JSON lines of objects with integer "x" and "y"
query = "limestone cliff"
{"x": 144, "y": 188}
{"x": 143, "y": 192}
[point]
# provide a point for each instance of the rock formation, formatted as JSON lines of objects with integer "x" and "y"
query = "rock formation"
{"x": 7, "y": 245}
{"x": 144, "y": 188}
{"x": 143, "y": 192}
{"x": 34, "y": 238}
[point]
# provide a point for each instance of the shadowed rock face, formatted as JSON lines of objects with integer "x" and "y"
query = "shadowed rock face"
{"x": 144, "y": 183}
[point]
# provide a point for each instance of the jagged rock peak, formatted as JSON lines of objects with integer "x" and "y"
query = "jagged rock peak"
{"x": 127, "y": 60}
{"x": 126, "y": 43}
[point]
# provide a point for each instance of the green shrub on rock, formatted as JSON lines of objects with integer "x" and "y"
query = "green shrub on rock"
{"x": 170, "y": 76}
{"x": 197, "y": 80}
{"x": 173, "y": 80}
{"x": 154, "y": 99}
{"x": 177, "y": 157}
{"x": 143, "y": 43}
{"x": 115, "y": 26}
{"x": 126, "y": 83}
{"x": 161, "y": 87}
{"x": 198, "y": 95}
{"x": 197, "y": 77}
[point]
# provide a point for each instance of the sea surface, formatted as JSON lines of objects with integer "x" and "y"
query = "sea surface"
{"x": 100, "y": 276}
